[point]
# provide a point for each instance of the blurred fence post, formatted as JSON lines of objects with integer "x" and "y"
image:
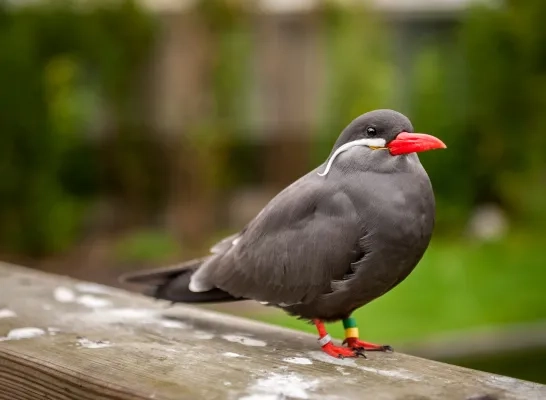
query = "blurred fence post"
{"x": 290, "y": 67}
{"x": 182, "y": 98}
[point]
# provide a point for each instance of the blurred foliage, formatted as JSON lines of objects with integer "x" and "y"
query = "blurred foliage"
{"x": 361, "y": 75}
{"x": 146, "y": 246}
{"x": 68, "y": 76}
{"x": 55, "y": 64}
{"x": 484, "y": 95}
{"x": 480, "y": 89}
{"x": 229, "y": 41}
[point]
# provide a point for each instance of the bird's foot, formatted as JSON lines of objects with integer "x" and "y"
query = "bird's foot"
{"x": 328, "y": 347}
{"x": 342, "y": 352}
{"x": 356, "y": 344}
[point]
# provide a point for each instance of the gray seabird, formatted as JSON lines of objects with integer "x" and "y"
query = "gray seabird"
{"x": 334, "y": 240}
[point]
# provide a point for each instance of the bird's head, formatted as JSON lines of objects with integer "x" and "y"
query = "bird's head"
{"x": 389, "y": 130}
{"x": 384, "y": 130}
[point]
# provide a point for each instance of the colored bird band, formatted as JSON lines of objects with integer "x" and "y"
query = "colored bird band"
{"x": 351, "y": 330}
{"x": 351, "y": 333}
{"x": 323, "y": 341}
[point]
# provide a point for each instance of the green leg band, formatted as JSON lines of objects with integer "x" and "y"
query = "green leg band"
{"x": 349, "y": 323}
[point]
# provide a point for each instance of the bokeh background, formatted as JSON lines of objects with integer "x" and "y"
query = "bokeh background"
{"x": 135, "y": 135}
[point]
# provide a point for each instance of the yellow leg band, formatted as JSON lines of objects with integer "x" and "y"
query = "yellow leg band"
{"x": 351, "y": 333}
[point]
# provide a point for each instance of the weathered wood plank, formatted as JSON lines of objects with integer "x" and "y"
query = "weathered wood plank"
{"x": 93, "y": 342}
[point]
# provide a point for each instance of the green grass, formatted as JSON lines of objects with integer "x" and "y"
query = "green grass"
{"x": 457, "y": 285}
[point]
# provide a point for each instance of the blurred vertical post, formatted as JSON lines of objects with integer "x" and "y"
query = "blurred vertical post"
{"x": 181, "y": 100}
{"x": 290, "y": 67}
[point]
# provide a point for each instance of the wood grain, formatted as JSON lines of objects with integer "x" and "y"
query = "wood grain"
{"x": 104, "y": 343}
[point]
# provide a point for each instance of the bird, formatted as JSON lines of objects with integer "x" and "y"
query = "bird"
{"x": 342, "y": 235}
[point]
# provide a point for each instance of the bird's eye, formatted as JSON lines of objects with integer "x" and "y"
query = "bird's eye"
{"x": 371, "y": 131}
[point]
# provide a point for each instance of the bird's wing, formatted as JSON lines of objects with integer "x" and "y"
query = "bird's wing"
{"x": 304, "y": 238}
{"x": 225, "y": 244}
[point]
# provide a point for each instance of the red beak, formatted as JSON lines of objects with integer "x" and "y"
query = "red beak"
{"x": 406, "y": 143}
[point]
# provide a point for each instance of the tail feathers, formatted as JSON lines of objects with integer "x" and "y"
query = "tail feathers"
{"x": 177, "y": 290}
{"x": 157, "y": 276}
{"x": 172, "y": 284}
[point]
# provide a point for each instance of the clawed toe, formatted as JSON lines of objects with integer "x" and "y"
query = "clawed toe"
{"x": 342, "y": 352}
{"x": 356, "y": 344}
{"x": 360, "y": 352}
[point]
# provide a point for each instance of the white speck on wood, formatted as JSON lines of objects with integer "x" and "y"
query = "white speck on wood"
{"x": 118, "y": 315}
{"x": 244, "y": 340}
{"x": 231, "y": 355}
{"x": 341, "y": 370}
{"x": 133, "y": 316}
{"x": 203, "y": 335}
{"x": 226, "y": 383}
{"x": 91, "y": 301}
{"x": 321, "y": 356}
{"x": 23, "y": 333}
{"x": 399, "y": 374}
{"x": 298, "y": 360}
{"x": 64, "y": 295}
{"x": 168, "y": 323}
{"x": 261, "y": 397}
{"x": 348, "y": 362}
{"x": 508, "y": 383}
{"x": 502, "y": 379}
{"x": 92, "y": 288}
{"x": 130, "y": 313}
{"x": 91, "y": 344}
{"x": 276, "y": 386}
{"x": 5, "y": 313}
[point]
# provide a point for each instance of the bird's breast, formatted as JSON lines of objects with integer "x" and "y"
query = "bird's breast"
{"x": 397, "y": 218}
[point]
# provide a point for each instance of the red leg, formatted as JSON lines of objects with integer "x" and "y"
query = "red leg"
{"x": 328, "y": 347}
{"x": 355, "y": 343}
{"x": 352, "y": 341}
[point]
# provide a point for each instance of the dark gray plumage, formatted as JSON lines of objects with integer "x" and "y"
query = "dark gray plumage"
{"x": 325, "y": 245}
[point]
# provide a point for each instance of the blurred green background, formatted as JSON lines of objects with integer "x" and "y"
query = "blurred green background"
{"x": 137, "y": 134}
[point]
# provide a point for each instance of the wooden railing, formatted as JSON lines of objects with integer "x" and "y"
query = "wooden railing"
{"x": 66, "y": 339}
